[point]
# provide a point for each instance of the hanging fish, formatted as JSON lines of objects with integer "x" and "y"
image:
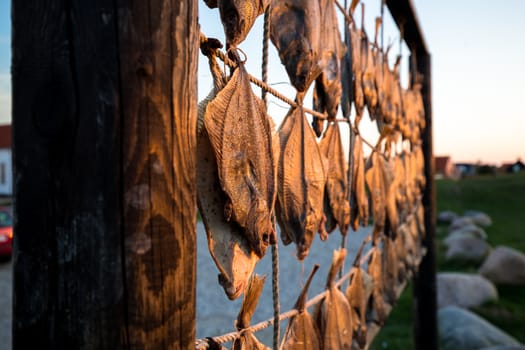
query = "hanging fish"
{"x": 390, "y": 269}
{"x": 356, "y": 295}
{"x": 301, "y": 180}
{"x": 369, "y": 75}
{"x": 333, "y": 314}
{"x": 237, "y": 17}
{"x": 301, "y": 333}
{"x": 228, "y": 247}
{"x": 246, "y": 339}
{"x": 347, "y": 74}
{"x": 391, "y": 184}
{"x": 240, "y": 134}
{"x": 359, "y": 59}
{"x": 327, "y": 92}
{"x": 358, "y": 196}
{"x": 375, "y": 269}
{"x": 376, "y": 186}
{"x": 295, "y": 30}
{"x": 337, "y": 208}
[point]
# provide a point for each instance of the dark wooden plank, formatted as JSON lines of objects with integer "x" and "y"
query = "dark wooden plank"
{"x": 425, "y": 301}
{"x": 405, "y": 17}
{"x": 104, "y": 109}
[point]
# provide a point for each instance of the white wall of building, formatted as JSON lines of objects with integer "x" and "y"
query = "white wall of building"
{"x": 6, "y": 172}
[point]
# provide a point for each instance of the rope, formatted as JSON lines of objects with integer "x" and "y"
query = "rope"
{"x": 275, "y": 295}
{"x": 266, "y": 36}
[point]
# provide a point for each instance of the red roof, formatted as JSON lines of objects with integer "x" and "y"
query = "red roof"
{"x": 5, "y": 136}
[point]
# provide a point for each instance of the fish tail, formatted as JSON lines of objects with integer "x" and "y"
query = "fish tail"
{"x": 337, "y": 262}
{"x": 301, "y": 301}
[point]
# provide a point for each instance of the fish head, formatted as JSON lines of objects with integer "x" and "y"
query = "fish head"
{"x": 238, "y": 18}
{"x": 234, "y": 275}
{"x": 361, "y": 336}
{"x": 259, "y": 226}
{"x": 301, "y": 64}
{"x": 305, "y": 241}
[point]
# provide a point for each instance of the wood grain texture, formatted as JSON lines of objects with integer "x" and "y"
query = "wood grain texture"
{"x": 104, "y": 119}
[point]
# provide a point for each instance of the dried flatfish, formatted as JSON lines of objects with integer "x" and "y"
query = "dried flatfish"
{"x": 327, "y": 92}
{"x": 301, "y": 333}
{"x": 246, "y": 339}
{"x": 390, "y": 270}
{"x": 229, "y": 249}
{"x": 375, "y": 269}
{"x": 391, "y": 184}
{"x": 347, "y": 75}
{"x": 237, "y": 17}
{"x": 240, "y": 134}
{"x": 356, "y": 295}
{"x": 358, "y": 196}
{"x": 337, "y": 208}
{"x": 295, "y": 30}
{"x": 301, "y": 179}
{"x": 376, "y": 186}
{"x": 333, "y": 314}
{"x": 369, "y": 75}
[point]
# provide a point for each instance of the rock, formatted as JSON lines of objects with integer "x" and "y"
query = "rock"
{"x": 459, "y": 223}
{"x": 479, "y": 217}
{"x": 504, "y": 265}
{"x": 462, "y": 329}
{"x": 506, "y": 347}
{"x": 464, "y": 290}
{"x": 467, "y": 248}
{"x": 446, "y": 217}
{"x": 472, "y": 229}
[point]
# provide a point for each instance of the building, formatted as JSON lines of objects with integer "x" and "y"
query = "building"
{"x": 444, "y": 167}
{"x": 6, "y": 169}
{"x": 515, "y": 167}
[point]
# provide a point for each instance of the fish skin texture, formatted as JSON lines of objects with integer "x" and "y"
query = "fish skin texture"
{"x": 328, "y": 90}
{"x": 246, "y": 339}
{"x": 333, "y": 315}
{"x": 240, "y": 133}
{"x": 301, "y": 332}
{"x": 295, "y": 30}
{"x": 358, "y": 197}
{"x": 337, "y": 208}
{"x": 301, "y": 181}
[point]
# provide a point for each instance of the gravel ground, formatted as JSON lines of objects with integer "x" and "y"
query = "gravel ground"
{"x": 6, "y": 282}
{"x": 215, "y": 312}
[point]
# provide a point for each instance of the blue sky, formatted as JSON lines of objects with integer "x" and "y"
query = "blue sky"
{"x": 478, "y": 57}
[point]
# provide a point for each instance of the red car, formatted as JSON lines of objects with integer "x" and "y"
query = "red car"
{"x": 6, "y": 232}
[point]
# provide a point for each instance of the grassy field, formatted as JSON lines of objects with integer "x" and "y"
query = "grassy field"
{"x": 502, "y": 197}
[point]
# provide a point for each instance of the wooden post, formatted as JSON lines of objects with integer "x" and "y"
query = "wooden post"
{"x": 425, "y": 304}
{"x": 104, "y": 122}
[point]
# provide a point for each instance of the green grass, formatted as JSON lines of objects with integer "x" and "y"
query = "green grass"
{"x": 502, "y": 197}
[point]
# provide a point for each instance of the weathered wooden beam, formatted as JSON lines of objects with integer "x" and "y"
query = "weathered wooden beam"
{"x": 406, "y": 19}
{"x": 104, "y": 121}
{"x": 425, "y": 300}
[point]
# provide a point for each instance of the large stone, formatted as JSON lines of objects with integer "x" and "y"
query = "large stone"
{"x": 473, "y": 229}
{"x": 459, "y": 222}
{"x": 467, "y": 249}
{"x": 446, "y": 217}
{"x": 479, "y": 218}
{"x": 462, "y": 329}
{"x": 504, "y": 265}
{"x": 464, "y": 290}
{"x": 506, "y": 347}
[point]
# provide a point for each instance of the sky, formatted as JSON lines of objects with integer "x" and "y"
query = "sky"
{"x": 478, "y": 72}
